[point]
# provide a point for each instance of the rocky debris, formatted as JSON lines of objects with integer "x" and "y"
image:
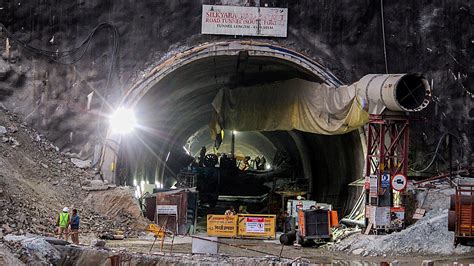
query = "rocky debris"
{"x": 35, "y": 247}
{"x": 12, "y": 129}
{"x": 3, "y": 130}
{"x": 28, "y": 250}
{"x": 83, "y": 164}
{"x": 428, "y": 236}
{"x": 7, "y": 257}
{"x": 118, "y": 203}
{"x": 96, "y": 185}
{"x": 98, "y": 243}
{"x": 37, "y": 181}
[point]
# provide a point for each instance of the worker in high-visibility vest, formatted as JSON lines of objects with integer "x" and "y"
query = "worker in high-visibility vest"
{"x": 63, "y": 223}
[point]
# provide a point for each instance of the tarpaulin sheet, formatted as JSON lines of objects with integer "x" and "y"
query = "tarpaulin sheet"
{"x": 286, "y": 105}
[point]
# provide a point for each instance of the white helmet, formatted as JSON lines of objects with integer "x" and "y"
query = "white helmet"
{"x": 65, "y": 209}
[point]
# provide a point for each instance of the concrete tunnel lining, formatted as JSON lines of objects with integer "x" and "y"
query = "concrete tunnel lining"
{"x": 151, "y": 90}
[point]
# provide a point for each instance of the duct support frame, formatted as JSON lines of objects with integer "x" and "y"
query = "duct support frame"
{"x": 387, "y": 153}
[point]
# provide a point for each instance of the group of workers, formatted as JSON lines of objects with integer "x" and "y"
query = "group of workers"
{"x": 247, "y": 163}
{"x": 255, "y": 164}
{"x": 231, "y": 210}
{"x": 68, "y": 224}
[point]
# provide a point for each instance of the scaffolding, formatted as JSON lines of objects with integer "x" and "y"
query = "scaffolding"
{"x": 387, "y": 158}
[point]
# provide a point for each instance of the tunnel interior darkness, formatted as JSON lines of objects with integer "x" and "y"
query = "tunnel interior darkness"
{"x": 174, "y": 114}
{"x": 411, "y": 92}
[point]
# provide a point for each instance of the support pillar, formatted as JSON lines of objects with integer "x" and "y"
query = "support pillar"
{"x": 387, "y": 156}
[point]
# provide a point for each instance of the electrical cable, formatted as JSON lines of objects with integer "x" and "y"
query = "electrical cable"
{"x": 70, "y": 57}
{"x": 76, "y": 54}
{"x": 383, "y": 37}
{"x": 435, "y": 152}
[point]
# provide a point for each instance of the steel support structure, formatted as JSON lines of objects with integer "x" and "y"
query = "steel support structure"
{"x": 387, "y": 154}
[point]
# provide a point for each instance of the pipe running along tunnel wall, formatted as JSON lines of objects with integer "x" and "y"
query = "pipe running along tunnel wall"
{"x": 173, "y": 101}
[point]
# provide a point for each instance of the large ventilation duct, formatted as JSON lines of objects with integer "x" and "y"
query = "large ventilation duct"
{"x": 317, "y": 108}
{"x": 395, "y": 92}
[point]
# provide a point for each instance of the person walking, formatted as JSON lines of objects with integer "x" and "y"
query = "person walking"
{"x": 63, "y": 223}
{"x": 75, "y": 227}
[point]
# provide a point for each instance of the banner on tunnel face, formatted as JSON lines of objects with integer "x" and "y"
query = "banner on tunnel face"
{"x": 244, "y": 21}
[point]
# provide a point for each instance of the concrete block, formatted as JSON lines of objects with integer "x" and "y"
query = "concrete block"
{"x": 200, "y": 246}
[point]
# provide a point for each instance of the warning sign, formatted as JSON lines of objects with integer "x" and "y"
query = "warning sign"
{"x": 399, "y": 182}
{"x": 385, "y": 182}
{"x": 167, "y": 209}
{"x": 255, "y": 225}
{"x": 374, "y": 186}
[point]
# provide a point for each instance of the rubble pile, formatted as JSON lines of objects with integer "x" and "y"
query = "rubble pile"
{"x": 32, "y": 248}
{"x": 118, "y": 203}
{"x": 428, "y": 236}
{"x": 7, "y": 257}
{"x": 37, "y": 181}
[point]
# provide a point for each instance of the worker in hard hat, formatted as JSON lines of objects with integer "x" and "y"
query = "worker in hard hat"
{"x": 63, "y": 223}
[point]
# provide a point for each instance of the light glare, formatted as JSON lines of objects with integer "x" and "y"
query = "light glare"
{"x": 123, "y": 121}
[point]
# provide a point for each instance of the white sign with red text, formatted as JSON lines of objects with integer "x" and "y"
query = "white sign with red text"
{"x": 244, "y": 21}
{"x": 255, "y": 225}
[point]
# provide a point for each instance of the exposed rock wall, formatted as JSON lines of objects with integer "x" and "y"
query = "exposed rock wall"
{"x": 432, "y": 37}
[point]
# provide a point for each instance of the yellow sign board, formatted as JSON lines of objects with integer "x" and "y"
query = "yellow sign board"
{"x": 222, "y": 225}
{"x": 257, "y": 225}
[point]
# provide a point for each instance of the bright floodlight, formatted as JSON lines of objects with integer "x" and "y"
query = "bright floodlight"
{"x": 123, "y": 121}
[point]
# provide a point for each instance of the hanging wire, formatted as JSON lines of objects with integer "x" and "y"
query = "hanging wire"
{"x": 383, "y": 37}
{"x": 73, "y": 56}
{"x": 70, "y": 57}
{"x": 436, "y": 154}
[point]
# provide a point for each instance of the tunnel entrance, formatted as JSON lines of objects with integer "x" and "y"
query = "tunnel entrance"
{"x": 172, "y": 104}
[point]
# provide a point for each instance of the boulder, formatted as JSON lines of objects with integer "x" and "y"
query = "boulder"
{"x": 83, "y": 164}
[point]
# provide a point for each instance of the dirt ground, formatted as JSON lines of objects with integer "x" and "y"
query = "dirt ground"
{"x": 319, "y": 255}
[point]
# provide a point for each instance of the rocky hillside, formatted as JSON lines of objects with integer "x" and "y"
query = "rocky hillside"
{"x": 37, "y": 181}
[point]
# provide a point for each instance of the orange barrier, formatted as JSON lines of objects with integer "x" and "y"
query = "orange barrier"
{"x": 222, "y": 225}
{"x": 257, "y": 226}
{"x": 334, "y": 221}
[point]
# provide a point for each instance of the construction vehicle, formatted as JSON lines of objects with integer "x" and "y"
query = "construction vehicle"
{"x": 313, "y": 224}
{"x": 461, "y": 214}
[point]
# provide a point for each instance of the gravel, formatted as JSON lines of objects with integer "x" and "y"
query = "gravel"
{"x": 428, "y": 236}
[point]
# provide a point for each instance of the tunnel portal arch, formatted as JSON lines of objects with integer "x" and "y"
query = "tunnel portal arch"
{"x": 235, "y": 49}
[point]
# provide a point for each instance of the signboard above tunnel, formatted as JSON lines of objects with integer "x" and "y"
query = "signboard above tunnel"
{"x": 244, "y": 21}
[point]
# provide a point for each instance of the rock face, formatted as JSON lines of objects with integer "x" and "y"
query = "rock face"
{"x": 430, "y": 37}
{"x": 36, "y": 182}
